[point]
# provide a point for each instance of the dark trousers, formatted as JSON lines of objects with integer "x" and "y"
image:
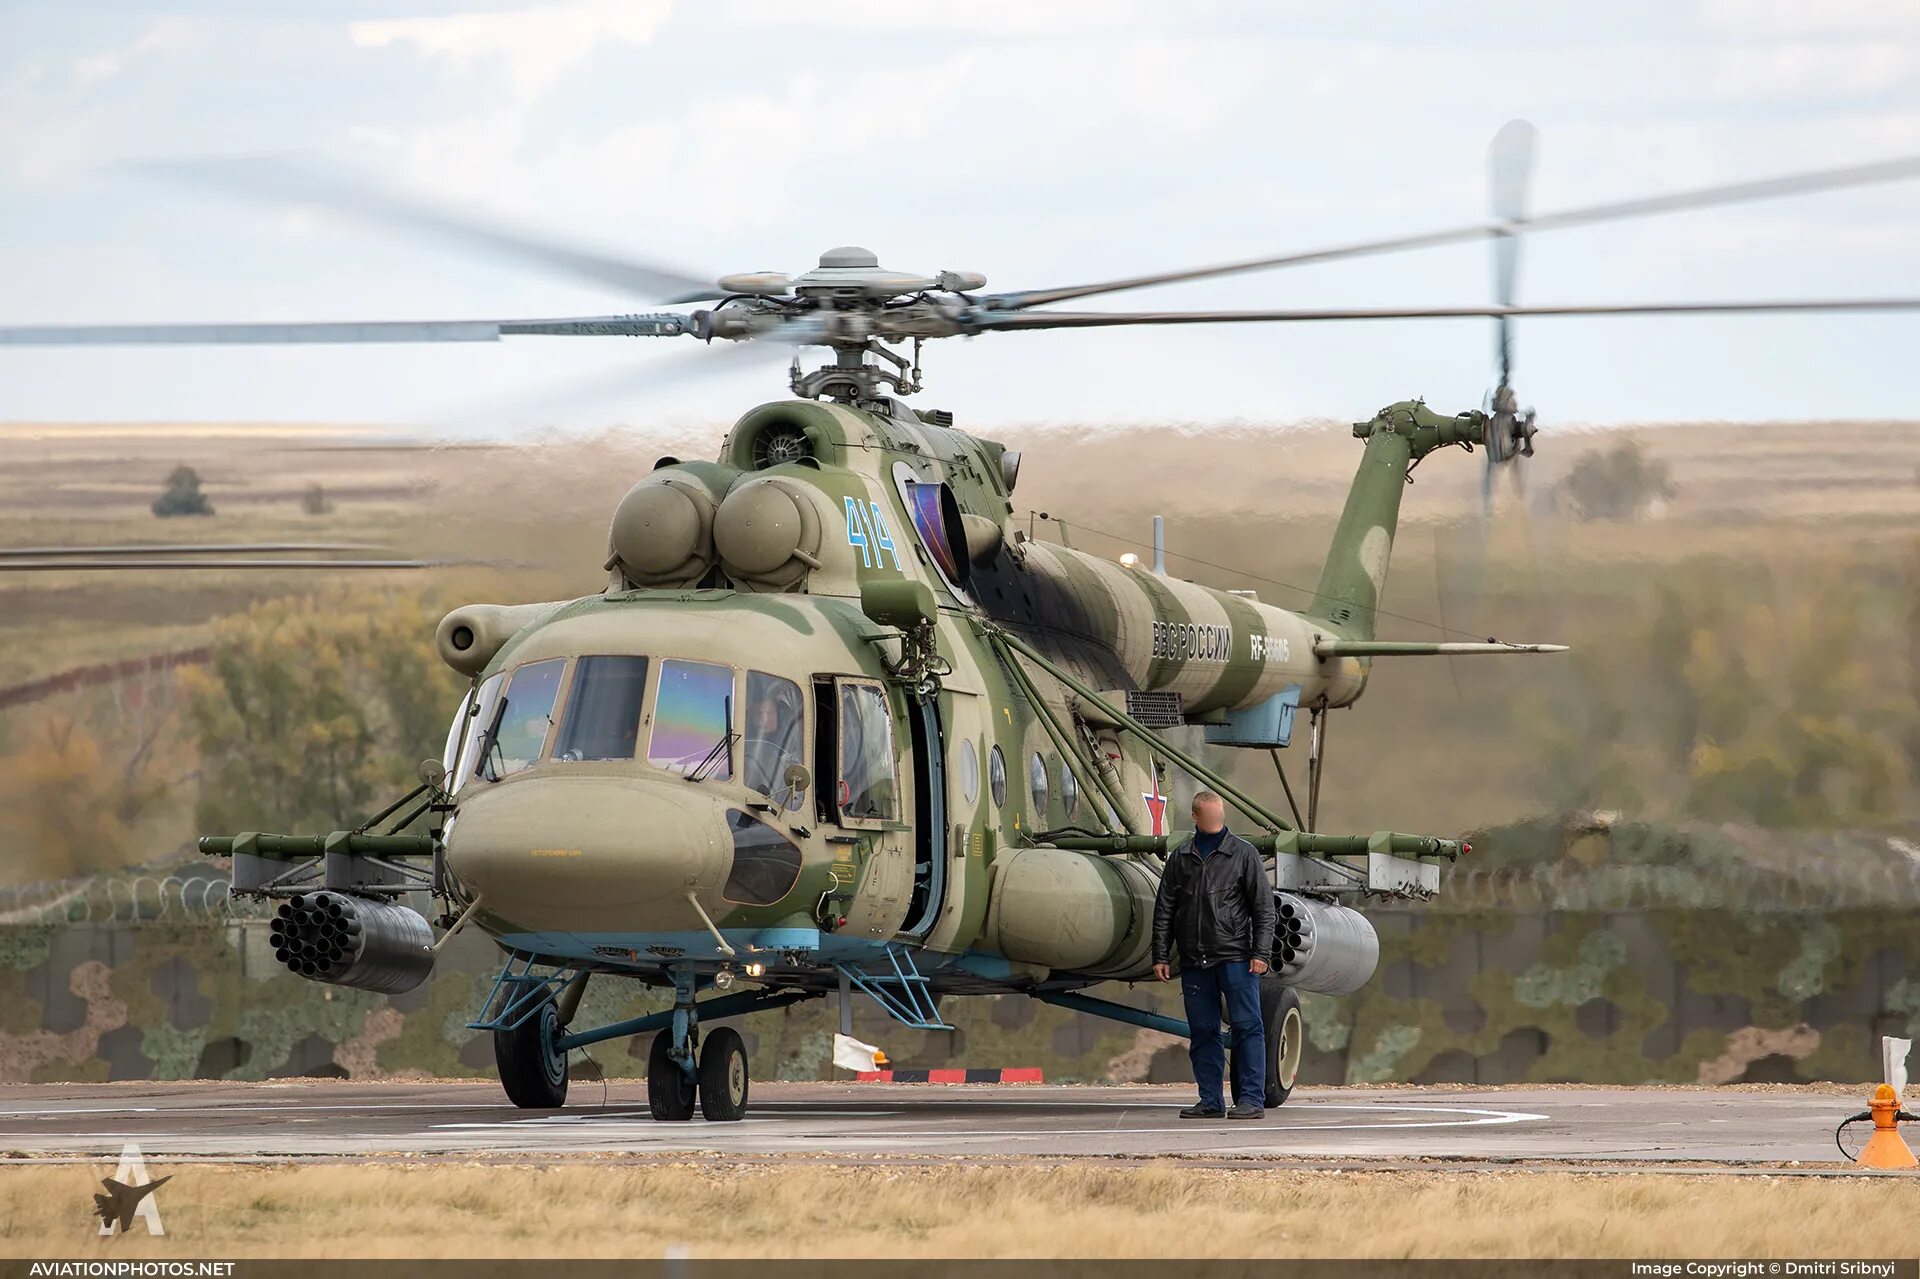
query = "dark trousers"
{"x": 1202, "y": 989}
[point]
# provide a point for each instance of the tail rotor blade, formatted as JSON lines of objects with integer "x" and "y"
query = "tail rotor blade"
{"x": 1509, "y": 174}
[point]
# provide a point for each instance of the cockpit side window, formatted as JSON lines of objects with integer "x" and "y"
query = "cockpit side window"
{"x": 456, "y": 736}
{"x": 866, "y": 789}
{"x": 515, "y": 730}
{"x": 479, "y": 709}
{"x": 774, "y": 738}
{"x": 603, "y": 710}
{"x": 693, "y": 720}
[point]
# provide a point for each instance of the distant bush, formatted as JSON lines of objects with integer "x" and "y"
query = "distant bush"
{"x": 316, "y": 711}
{"x": 314, "y": 501}
{"x": 1620, "y": 483}
{"x": 182, "y": 496}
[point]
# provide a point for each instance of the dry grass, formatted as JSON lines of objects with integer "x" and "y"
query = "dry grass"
{"x": 808, "y": 1210}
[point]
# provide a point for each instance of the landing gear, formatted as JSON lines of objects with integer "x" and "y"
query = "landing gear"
{"x": 669, "y": 1087}
{"x": 723, "y": 1076}
{"x": 1280, "y": 1011}
{"x": 1286, "y": 1036}
{"x": 679, "y": 1066}
{"x": 532, "y": 1070}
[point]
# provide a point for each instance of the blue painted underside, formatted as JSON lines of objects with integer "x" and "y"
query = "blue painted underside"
{"x": 650, "y": 950}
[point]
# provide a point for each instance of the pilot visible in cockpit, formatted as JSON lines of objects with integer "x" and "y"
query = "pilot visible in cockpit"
{"x": 772, "y": 736}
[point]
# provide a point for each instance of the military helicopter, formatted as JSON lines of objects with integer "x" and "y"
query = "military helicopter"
{"x": 836, "y": 722}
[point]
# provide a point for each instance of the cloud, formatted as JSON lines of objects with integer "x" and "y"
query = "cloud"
{"x": 169, "y": 34}
{"x": 539, "y": 44}
{"x": 980, "y": 17}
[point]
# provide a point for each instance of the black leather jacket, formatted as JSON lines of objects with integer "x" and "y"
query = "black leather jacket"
{"x": 1213, "y": 908}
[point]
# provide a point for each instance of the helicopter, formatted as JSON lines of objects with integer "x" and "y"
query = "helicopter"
{"x": 837, "y": 723}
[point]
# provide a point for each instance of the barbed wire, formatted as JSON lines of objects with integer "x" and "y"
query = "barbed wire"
{"x": 126, "y": 899}
{"x": 1877, "y": 884}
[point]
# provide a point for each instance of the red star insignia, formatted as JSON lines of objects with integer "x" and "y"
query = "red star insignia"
{"x": 1156, "y": 805}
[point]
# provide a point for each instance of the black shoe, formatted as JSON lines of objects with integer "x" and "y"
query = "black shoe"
{"x": 1203, "y": 1112}
{"x": 1246, "y": 1110}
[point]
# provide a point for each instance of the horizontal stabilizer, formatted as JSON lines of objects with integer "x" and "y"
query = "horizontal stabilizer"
{"x": 1329, "y": 647}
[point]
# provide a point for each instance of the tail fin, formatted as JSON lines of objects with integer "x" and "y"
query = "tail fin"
{"x": 1356, "y": 569}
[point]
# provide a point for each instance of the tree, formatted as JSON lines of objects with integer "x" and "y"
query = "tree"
{"x": 1620, "y": 483}
{"x": 315, "y": 712}
{"x": 182, "y": 496}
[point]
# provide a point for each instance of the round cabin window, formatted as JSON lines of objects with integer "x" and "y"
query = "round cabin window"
{"x": 997, "y": 777}
{"x": 967, "y": 763}
{"x": 1037, "y": 785}
{"x": 1069, "y": 791}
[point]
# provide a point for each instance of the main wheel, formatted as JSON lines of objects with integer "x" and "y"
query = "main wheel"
{"x": 669, "y": 1086}
{"x": 1286, "y": 1036}
{"x": 723, "y": 1076}
{"x": 532, "y": 1070}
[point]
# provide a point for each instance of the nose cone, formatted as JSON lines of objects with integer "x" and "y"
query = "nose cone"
{"x": 590, "y": 854}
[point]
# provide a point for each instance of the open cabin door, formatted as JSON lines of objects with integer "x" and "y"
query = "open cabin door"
{"x": 928, "y": 748}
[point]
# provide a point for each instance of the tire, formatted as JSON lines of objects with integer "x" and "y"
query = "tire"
{"x": 532, "y": 1072}
{"x": 669, "y": 1088}
{"x": 1286, "y": 1037}
{"x": 724, "y": 1080}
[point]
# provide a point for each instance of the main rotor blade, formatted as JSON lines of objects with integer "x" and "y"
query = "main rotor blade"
{"x": 1107, "y": 319}
{"x": 178, "y": 548}
{"x": 115, "y": 565}
{"x": 664, "y": 324}
{"x": 1509, "y": 171}
{"x": 277, "y": 182}
{"x": 612, "y": 385}
{"x": 1645, "y": 206}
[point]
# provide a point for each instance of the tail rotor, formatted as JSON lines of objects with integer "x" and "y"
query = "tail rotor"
{"x": 1510, "y": 429}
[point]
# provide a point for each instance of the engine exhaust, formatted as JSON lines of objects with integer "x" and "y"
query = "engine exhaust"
{"x": 353, "y": 941}
{"x": 1320, "y": 947}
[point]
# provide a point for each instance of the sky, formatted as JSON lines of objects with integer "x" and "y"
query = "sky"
{"x": 1038, "y": 143}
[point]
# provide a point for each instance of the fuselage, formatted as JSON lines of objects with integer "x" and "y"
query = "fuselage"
{"x": 714, "y": 754}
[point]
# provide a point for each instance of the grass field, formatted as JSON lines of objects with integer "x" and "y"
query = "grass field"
{"x": 800, "y": 1209}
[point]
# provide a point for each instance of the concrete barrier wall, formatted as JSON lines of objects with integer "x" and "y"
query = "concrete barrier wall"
{"x": 1668, "y": 995}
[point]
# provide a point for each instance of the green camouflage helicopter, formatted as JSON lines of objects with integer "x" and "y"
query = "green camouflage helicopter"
{"x": 837, "y": 723}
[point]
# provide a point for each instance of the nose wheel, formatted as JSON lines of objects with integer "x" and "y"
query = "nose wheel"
{"x": 680, "y": 1068}
{"x": 721, "y": 1080}
{"x": 670, "y": 1089}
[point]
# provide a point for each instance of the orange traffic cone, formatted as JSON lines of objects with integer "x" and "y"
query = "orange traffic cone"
{"x": 1886, "y": 1148}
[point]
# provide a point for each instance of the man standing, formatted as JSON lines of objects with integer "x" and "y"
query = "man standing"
{"x": 1216, "y": 907}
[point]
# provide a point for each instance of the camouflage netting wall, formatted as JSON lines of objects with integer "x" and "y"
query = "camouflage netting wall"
{"x": 1496, "y": 996}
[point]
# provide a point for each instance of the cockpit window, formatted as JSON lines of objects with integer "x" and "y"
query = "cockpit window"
{"x": 866, "y": 785}
{"x": 479, "y": 722}
{"x": 456, "y": 735}
{"x": 693, "y": 720}
{"x": 774, "y": 737}
{"x": 603, "y": 710}
{"x": 766, "y": 864}
{"x": 520, "y": 721}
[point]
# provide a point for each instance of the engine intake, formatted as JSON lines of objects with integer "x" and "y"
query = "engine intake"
{"x": 353, "y": 941}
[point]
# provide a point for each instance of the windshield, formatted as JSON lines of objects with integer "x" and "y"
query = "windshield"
{"x": 603, "y": 710}
{"x": 692, "y": 716}
{"x": 521, "y": 720}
